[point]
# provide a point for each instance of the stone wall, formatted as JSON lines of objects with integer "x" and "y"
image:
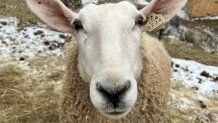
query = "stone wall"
{"x": 200, "y": 33}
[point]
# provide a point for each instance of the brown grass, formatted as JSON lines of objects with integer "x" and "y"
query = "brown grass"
{"x": 17, "y": 8}
{"x": 178, "y": 49}
{"x": 30, "y": 95}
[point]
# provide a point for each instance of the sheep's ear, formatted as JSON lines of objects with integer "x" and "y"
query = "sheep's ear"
{"x": 167, "y": 8}
{"x": 54, "y": 13}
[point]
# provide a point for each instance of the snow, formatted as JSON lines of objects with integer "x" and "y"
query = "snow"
{"x": 206, "y": 18}
{"x": 27, "y": 41}
{"x": 84, "y": 2}
{"x": 196, "y": 75}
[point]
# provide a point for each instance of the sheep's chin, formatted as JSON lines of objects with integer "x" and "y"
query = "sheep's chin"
{"x": 115, "y": 115}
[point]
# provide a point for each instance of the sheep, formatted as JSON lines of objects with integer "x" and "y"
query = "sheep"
{"x": 153, "y": 88}
{"x": 115, "y": 71}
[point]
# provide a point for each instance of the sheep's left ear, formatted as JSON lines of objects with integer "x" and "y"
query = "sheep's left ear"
{"x": 167, "y": 8}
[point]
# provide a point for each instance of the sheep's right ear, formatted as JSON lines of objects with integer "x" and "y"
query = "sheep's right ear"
{"x": 54, "y": 13}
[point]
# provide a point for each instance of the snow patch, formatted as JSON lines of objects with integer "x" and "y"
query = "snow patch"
{"x": 26, "y": 41}
{"x": 205, "y": 18}
{"x": 201, "y": 77}
{"x": 84, "y": 2}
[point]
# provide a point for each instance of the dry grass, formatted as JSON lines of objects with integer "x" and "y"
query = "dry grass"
{"x": 17, "y": 8}
{"x": 186, "y": 107}
{"x": 31, "y": 95}
{"x": 178, "y": 49}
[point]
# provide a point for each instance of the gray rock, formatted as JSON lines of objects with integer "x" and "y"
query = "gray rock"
{"x": 202, "y": 38}
{"x": 171, "y": 31}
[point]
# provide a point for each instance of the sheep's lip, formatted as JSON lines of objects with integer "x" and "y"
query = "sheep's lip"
{"x": 115, "y": 113}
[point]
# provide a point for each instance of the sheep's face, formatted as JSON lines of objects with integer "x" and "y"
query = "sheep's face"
{"x": 109, "y": 55}
{"x": 109, "y": 46}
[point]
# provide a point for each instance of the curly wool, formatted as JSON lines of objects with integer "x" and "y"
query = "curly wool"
{"x": 153, "y": 88}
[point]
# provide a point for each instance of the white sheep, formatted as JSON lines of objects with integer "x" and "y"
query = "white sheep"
{"x": 115, "y": 72}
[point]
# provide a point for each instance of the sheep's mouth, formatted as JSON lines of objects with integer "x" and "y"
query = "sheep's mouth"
{"x": 116, "y": 113}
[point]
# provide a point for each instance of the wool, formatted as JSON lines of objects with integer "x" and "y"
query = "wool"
{"x": 153, "y": 87}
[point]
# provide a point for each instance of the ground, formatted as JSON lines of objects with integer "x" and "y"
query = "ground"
{"x": 32, "y": 70}
{"x": 184, "y": 50}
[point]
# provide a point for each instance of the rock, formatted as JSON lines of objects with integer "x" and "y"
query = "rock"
{"x": 205, "y": 74}
{"x": 4, "y": 23}
{"x": 63, "y": 36}
{"x": 22, "y": 59}
{"x": 202, "y": 105}
{"x": 202, "y": 34}
{"x": 177, "y": 65}
{"x": 39, "y": 32}
{"x": 171, "y": 31}
{"x": 216, "y": 79}
{"x": 202, "y": 38}
{"x": 46, "y": 42}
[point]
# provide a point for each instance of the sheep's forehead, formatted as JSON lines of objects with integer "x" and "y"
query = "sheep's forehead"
{"x": 120, "y": 13}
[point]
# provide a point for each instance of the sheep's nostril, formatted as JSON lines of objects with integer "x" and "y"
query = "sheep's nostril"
{"x": 113, "y": 94}
{"x": 103, "y": 90}
{"x": 122, "y": 90}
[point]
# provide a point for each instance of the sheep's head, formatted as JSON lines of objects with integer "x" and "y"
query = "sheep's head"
{"x": 108, "y": 38}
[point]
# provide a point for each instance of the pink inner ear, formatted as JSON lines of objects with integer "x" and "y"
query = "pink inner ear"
{"x": 167, "y": 8}
{"x": 54, "y": 13}
{"x": 51, "y": 8}
{"x": 164, "y": 5}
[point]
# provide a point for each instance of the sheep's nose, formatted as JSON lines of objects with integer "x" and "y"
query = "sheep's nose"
{"x": 115, "y": 94}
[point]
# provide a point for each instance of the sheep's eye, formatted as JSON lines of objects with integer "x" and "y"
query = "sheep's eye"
{"x": 77, "y": 25}
{"x": 140, "y": 21}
